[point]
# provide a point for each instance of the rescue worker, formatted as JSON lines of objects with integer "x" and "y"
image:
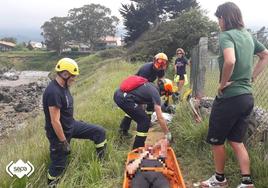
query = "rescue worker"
{"x": 60, "y": 125}
{"x": 166, "y": 91}
{"x": 132, "y": 102}
{"x": 151, "y": 71}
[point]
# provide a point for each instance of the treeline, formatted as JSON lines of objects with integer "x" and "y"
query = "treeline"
{"x": 157, "y": 25}
{"x": 87, "y": 25}
{"x": 139, "y": 16}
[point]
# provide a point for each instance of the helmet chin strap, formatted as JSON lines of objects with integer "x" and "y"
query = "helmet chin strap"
{"x": 65, "y": 79}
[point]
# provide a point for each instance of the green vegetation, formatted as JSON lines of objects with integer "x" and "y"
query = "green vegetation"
{"x": 137, "y": 18}
{"x": 32, "y": 60}
{"x": 93, "y": 97}
{"x": 196, "y": 159}
{"x": 184, "y": 31}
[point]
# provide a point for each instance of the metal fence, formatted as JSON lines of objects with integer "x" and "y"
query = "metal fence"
{"x": 205, "y": 80}
{"x": 205, "y": 75}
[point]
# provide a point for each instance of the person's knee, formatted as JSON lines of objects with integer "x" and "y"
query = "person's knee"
{"x": 101, "y": 133}
{"x": 236, "y": 145}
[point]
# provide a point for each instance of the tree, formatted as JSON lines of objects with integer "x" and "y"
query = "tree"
{"x": 162, "y": 10}
{"x": 151, "y": 12}
{"x": 135, "y": 20}
{"x": 92, "y": 22}
{"x": 184, "y": 31}
{"x": 56, "y": 33}
{"x": 9, "y": 39}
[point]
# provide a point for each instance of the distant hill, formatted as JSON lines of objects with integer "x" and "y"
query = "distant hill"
{"x": 22, "y": 35}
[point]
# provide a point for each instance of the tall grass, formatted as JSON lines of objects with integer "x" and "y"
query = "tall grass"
{"x": 195, "y": 156}
{"x": 93, "y": 99}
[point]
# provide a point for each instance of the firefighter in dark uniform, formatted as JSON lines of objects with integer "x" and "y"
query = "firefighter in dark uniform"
{"x": 132, "y": 104}
{"x": 60, "y": 125}
{"x": 151, "y": 71}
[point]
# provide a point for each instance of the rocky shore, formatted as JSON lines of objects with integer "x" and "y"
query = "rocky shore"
{"x": 20, "y": 98}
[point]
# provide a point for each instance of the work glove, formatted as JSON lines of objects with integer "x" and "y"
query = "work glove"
{"x": 65, "y": 147}
{"x": 168, "y": 136}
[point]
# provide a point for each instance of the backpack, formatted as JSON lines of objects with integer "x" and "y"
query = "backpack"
{"x": 132, "y": 82}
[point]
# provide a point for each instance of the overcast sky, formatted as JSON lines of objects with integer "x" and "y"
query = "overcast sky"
{"x": 31, "y": 14}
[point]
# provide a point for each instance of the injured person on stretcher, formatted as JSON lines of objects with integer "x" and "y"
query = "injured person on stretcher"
{"x": 146, "y": 171}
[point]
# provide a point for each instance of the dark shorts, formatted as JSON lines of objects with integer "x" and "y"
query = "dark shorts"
{"x": 229, "y": 119}
{"x": 181, "y": 77}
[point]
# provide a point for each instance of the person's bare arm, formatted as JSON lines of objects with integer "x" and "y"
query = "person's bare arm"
{"x": 160, "y": 118}
{"x": 55, "y": 121}
{"x": 228, "y": 67}
{"x": 263, "y": 61}
{"x": 132, "y": 167}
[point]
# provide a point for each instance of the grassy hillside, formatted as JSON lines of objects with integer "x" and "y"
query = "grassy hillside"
{"x": 93, "y": 102}
{"x": 31, "y": 60}
{"x": 93, "y": 95}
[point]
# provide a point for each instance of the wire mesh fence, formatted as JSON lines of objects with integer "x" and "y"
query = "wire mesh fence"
{"x": 205, "y": 76}
{"x": 260, "y": 85}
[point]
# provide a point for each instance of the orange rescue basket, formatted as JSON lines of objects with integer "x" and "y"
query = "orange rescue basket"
{"x": 171, "y": 171}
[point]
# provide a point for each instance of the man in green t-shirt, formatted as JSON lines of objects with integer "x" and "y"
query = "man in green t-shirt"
{"x": 234, "y": 102}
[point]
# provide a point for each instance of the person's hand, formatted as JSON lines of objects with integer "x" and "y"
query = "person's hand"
{"x": 65, "y": 147}
{"x": 168, "y": 136}
{"x": 222, "y": 87}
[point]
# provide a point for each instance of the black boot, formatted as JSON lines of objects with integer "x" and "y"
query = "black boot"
{"x": 101, "y": 152}
{"x": 52, "y": 183}
{"x": 125, "y": 123}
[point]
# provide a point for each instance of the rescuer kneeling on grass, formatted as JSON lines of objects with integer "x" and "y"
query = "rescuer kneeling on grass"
{"x": 60, "y": 124}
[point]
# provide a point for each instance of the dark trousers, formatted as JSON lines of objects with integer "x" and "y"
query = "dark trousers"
{"x": 80, "y": 130}
{"x": 126, "y": 121}
{"x": 149, "y": 179}
{"x": 137, "y": 113}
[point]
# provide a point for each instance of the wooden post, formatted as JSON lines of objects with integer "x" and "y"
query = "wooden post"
{"x": 199, "y": 61}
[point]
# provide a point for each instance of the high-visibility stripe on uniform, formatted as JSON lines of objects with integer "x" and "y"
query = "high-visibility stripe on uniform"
{"x": 127, "y": 115}
{"x": 101, "y": 144}
{"x": 149, "y": 112}
{"x": 51, "y": 177}
{"x": 141, "y": 134}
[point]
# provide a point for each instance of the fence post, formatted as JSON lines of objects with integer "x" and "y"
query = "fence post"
{"x": 199, "y": 59}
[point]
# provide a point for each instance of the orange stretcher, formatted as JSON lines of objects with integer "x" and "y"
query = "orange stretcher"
{"x": 171, "y": 171}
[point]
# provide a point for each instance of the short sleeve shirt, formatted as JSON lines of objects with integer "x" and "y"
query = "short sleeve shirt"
{"x": 181, "y": 65}
{"x": 55, "y": 95}
{"x": 145, "y": 94}
{"x": 147, "y": 71}
{"x": 245, "y": 46}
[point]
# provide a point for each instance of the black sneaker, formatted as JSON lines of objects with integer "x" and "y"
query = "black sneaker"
{"x": 52, "y": 183}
